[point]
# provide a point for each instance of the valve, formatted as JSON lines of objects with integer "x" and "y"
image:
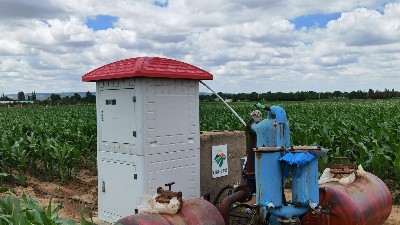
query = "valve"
{"x": 169, "y": 185}
{"x": 165, "y": 196}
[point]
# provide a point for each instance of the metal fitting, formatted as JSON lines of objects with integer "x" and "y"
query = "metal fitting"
{"x": 270, "y": 206}
{"x": 312, "y": 204}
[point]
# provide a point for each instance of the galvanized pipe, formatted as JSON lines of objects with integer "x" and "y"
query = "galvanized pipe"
{"x": 233, "y": 111}
{"x": 241, "y": 195}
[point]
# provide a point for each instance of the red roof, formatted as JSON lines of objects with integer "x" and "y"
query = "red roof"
{"x": 147, "y": 67}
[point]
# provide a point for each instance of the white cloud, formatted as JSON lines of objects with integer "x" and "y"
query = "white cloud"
{"x": 10, "y": 47}
{"x": 249, "y": 45}
{"x": 17, "y": 9}
{"x": 364, "y": 27}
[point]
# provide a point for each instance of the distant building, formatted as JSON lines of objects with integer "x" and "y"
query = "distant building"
{"x": 9, "y": 102}
{"x": 226, "y": 100}
{"x": 44, "y": 96}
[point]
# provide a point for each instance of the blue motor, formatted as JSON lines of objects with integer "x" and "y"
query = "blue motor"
{"x": 272, "y": 131}
{"x": 275, "y": 160}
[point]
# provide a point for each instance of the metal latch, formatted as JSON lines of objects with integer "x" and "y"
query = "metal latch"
{"x": 165, "y": 196}
{"x": 134, "y": 99}
{"x": 134, "y": 133}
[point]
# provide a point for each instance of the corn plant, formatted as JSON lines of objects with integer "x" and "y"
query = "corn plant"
{"x": 19, "y": 159}
{"x": 26, "y": 210}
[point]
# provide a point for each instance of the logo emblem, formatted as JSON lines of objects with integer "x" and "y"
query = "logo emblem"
{"x": 219, "y": 158}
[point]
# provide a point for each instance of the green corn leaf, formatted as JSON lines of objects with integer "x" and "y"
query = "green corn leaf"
{"x": 3, "y": 190}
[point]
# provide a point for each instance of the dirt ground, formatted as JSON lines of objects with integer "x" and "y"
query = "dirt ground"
{"x": 78, "y": 194}
{"x": 82, "y": 193}
{"x": 394, "y": 218}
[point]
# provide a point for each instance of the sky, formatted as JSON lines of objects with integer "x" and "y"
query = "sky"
{"x": 248, "y": 45}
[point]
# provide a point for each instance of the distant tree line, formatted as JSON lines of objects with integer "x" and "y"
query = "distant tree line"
{"x": 74, "y": 99}
{"x": 22, "y": 97}
{"x": 4, "y": 97}
{"x": 304, "y": 95}
{"x": 53, "y": 98}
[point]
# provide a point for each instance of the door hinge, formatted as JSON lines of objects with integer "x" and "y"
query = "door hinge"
{"x": 134, "y": 98}
{"x": 134, "y": 133}
{"x": 102, "y": 115}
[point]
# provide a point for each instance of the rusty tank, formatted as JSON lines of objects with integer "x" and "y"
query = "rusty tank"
{"x": 367, "y": 201}
{"x": 195, "y": 211}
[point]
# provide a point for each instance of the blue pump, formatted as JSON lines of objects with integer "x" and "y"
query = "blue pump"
{"x": 274, "y": 160}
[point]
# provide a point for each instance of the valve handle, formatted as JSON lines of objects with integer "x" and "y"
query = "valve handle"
{"x": 261, "y": 106}
{"x": 169, "y": 185}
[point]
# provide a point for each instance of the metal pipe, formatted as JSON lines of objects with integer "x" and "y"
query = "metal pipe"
{"x": 241, "y": 195}
{"x": 251, "y": 143}
{"x": 233, "y": 111}
{"x": 220, "y": 193}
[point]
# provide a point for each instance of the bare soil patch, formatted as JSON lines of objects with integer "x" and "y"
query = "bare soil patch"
{"x": 79, "y": 193}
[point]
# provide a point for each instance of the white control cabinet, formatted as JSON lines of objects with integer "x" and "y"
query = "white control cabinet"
{"x": 148, "y": 135}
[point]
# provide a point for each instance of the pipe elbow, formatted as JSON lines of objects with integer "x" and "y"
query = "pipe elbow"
{"x": 241, "y": 195}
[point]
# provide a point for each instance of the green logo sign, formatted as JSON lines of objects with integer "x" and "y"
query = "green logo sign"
{"x": 219, "y": 158}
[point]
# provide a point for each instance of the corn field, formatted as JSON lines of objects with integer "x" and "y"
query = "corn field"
{"x": 368, "y": 132}
{"x": 52, "y": 143}
{"x": 57, "y": 142}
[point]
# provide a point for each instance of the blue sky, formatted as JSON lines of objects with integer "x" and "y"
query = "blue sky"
{"x": 101, "y": 22}
{"x": 104, "y": 22}
{"x": 314, "y": 21}
{"x": 162, "y": 4}
{"x": 256, "y": 45}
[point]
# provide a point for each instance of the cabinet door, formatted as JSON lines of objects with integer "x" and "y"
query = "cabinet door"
{"x": 117, "y": 119}
{"x": 120, "y": 189}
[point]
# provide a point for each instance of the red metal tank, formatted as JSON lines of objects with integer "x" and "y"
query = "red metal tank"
{"x": 367, "y": 201}
{"x": 193, "y": 212}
